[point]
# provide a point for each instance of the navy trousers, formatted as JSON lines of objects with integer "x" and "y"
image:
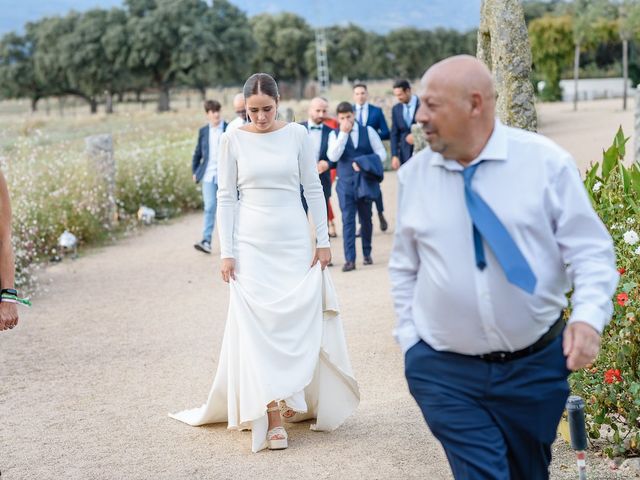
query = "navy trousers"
{"x": 495, "y": 420}
{"x": 349, "y": 205}
{"x": 379, "y": 203}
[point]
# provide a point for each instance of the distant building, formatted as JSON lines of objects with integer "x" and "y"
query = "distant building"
{"x": 594, "y": 88}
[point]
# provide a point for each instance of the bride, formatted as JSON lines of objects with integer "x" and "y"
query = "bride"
{"x": 283, "y": 349}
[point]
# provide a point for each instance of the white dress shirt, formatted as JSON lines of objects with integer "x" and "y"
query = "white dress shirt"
{"x": 236, "y": 123}
{"x": 316, "y": 137}
{"x": 534, "y": 187}
{"x": 337, "y": 144}
{"x": 214, "y": 141}
{"x": 365, "y": 112}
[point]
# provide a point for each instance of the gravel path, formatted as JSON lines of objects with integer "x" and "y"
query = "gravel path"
{"x": 132, "y": 331}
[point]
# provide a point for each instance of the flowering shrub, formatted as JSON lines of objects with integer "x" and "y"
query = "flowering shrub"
{"x": 53, "y": 188}
{"x": 611, "y": 386}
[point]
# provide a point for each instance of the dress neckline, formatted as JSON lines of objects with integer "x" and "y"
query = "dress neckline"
{"x": 266, "y": 133}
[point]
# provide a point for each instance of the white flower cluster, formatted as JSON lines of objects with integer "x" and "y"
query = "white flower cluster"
{"x": 630, "y": 237}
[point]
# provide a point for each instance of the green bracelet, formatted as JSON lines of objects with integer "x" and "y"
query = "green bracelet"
{"x": 23, "y": 301}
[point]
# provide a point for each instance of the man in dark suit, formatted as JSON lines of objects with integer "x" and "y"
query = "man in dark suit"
{"x": 371, "y": 116}
{"x": 403, "y": 115}
{"x": 346, "y": 145}
{"x": 204, "y": 166}
{"x": 319, "y": 134}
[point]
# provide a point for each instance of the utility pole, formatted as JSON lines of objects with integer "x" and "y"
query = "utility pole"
{"x": 321, "y": 60}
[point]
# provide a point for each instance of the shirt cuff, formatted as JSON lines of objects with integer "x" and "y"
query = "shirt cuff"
{"x": 406, "y": 336}
{"x": 590, "y": 314}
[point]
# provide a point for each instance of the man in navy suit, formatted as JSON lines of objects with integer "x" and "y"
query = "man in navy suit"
{"x": 403, "y": 115}
{"x": 204, "y": 167}
{"x": 319, "y": 134}
{"x": 371, "y": 116}
{"x": 346, "y": 144}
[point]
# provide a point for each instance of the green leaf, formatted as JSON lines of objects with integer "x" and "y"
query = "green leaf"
{"x": 626, "y": 178}
{"x": 609, "y": 161}
{"x": 619, "y": 142}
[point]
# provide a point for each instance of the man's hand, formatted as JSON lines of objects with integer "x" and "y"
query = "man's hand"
{"x": 580, "y": 344}
{"x": 355, "y": 166}
{"x": 346, "y": 125}
{"x": 228, "y": 269}
{"x": 194, "y": 179}
{"x": 323, "y": 166}
{"x": 323, "y": 255}
{"x": 409, "y": 139}
{"x": 8, "y": 315}
{"x": 395, "y": 163}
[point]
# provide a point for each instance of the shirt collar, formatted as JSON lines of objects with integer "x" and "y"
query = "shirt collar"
{"x": 494, "y": 149}
{"x": 412, "y": 102}
{"x": 311, "y": 123}
{"x": 219, "y": 127}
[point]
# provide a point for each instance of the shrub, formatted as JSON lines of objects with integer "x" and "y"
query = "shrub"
{"x": 611, "y": 386}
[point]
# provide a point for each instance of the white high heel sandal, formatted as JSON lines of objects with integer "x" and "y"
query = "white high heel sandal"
{"x": 277, "y": 438}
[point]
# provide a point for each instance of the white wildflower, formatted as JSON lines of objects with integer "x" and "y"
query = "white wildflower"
{"x": 597, "y": 186}
{"x": 637, "y": 251}
{"x": 630, "y": 237}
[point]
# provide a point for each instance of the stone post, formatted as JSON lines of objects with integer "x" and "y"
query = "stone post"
{"x": 503, "y": 45}
{"x": 99, "y": 149}
{"x": 636, "y": 139}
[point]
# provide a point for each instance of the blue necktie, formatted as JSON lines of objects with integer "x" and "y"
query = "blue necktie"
{"x": 407, "y": 114}
{"x": 360, "y": 116}
{"x": 487, "y": 226}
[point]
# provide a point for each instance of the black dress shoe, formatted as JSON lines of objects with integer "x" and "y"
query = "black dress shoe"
{"x": 358, "y": 232}
{"x": 347, "y": 267}
{"x": 367, "y": 261}
{"x": 383, "y": 222}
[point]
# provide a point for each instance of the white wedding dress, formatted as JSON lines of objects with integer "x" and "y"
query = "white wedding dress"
{"x": 283, "y": 338}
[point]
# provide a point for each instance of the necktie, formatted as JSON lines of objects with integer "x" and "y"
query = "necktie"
{"x": 360, "y": 116}
{"x": 407, "y": 114}
{"x": 315, "y": 128}
{"x": 487, "y": 226}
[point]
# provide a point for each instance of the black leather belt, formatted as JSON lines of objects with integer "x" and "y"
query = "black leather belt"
{"x": 542, "y": 342}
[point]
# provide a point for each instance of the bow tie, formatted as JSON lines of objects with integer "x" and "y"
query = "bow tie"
{"x": 315, "y": 128}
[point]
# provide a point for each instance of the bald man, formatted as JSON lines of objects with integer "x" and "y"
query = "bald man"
{"x": 319, "y": 134}
{"x": 241, "y": 112}
{"x": 489, "y": 218}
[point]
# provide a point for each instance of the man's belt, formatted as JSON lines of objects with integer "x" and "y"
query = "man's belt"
{"x": 542, "y": 342}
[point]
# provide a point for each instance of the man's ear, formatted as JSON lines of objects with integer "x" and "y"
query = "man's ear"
{"x": 476, "y": 103}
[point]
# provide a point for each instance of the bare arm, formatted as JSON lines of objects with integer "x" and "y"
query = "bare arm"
{"x": 8, "y": 311}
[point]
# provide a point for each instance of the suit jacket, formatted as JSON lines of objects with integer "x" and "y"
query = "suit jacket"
{"x": 325, "y": 177}
{"x": 370, "y": 175}
{"x": 376, "y": 120}
{"x": 201, "y": 154}
{"x": 399, "y": 131}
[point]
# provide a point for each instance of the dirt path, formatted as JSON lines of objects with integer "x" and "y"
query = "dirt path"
{"x": 132, "y": 331}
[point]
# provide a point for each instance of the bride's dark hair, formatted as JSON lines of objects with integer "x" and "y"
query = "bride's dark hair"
{"x": 261, "y": 83}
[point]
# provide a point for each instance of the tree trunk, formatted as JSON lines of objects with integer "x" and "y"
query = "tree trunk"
{"x": 108, "y": 102}
{"x": 503, "y": 45}
{"x": 93, "y": 104}
{"x": 576, "y": 74}
{"x": 625, "y": 71}
{"x": 203, "y": 93}
{"x": 120, "y": 97}
{"x": 163, "y": 99}
{"x": 34, "y": 104}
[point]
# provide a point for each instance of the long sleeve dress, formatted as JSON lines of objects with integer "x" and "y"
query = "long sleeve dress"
{"x": 284, "y": 338}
